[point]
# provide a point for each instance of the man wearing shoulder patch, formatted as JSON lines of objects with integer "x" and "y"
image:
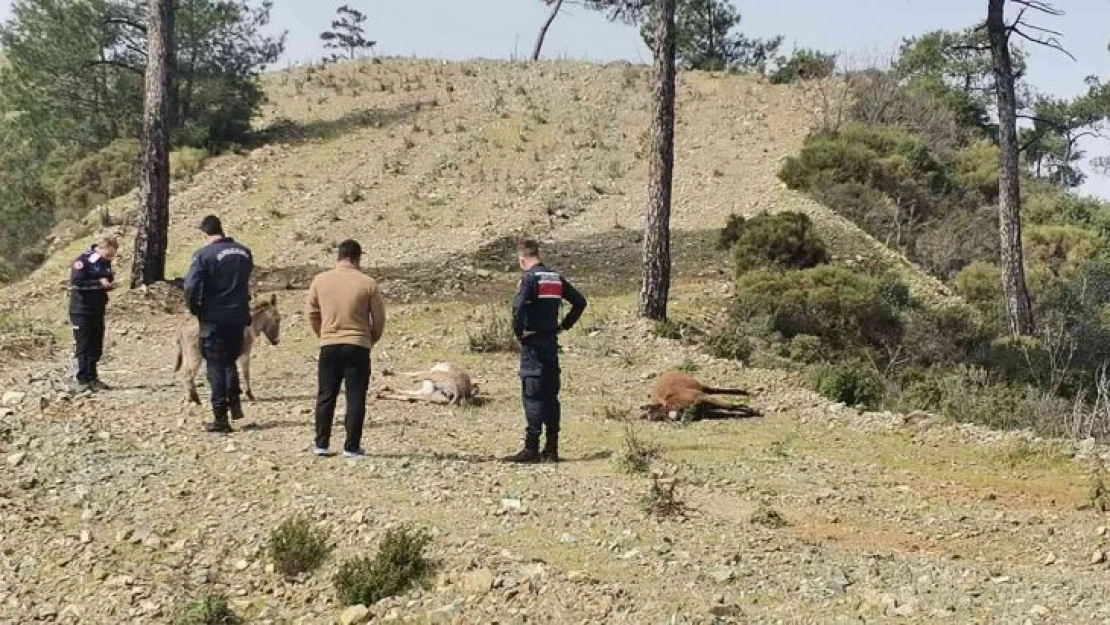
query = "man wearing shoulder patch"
{"x": 217, "y": 289}
{"x": 90, "y": 279}
{"x": 536, "y": 325}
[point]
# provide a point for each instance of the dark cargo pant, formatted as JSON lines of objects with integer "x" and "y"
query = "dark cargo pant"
{"x": 540, "y": 385}
{"x": 222, "y": 346}
{"x": 349, "y": 366}
{"x": 88, "y": 337}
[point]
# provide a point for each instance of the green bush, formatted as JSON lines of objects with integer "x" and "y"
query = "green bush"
{"x": 676, "y": 331}
{"x": 968, "y": 394}
{"x": 778, "y": 241}
{"x": 945, "y": 335}
{"x": 833, "y": 303}
{"x": 807, "y": 349}
{"x": 852, "y": 383}
{"x": 296, "y": 547}
{"x": 1061, "y": 249}
{"x": 79, "y": 185}
{"x": 398, "y": 565}
{"x": 731, "y": 344}
{"x": 208, "y": 610}
{"x": 187, "y": 162}
{"x": 731, "y": 232}
{"x": 804, "y": 64}
{"x": 977, "y": 168}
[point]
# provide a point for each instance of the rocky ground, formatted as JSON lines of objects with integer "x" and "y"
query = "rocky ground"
{"x": 117, "y": 508}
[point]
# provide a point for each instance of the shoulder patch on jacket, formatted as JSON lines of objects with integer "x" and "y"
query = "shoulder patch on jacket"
{"x": 77, "y": 264}
{"x": 549, "y": 285}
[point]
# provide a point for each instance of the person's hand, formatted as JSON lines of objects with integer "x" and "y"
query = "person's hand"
{"x": 107, "y": 284}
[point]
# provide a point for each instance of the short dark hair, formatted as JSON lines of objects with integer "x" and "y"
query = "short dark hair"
{"x": 349, "y": 250}
{"x": 528, "y": 248}
{"x": 211, "y": 226}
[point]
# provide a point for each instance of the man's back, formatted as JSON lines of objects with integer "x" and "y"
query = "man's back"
{"x": 218, "y": 284}
{"x": 349, "y": 306}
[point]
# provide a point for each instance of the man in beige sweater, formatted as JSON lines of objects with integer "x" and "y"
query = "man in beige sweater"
{"x": 347, "y": 313}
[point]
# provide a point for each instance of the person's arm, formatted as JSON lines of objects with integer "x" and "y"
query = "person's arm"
{"x": 108, "y": 277}
{"x": 194, "y": 285}
{"x": 523, "y": 297}
{"x": 80, "y": 275}
{"x": 312, "y": 309}
{"x": 377, "y": 315}
{"x": 577, "y": 305}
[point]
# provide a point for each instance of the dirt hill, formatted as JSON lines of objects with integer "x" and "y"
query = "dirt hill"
{"x": 117, "y": 508}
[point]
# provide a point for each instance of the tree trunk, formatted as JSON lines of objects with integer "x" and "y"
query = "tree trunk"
{"x": 558, "y": 4}
{"x": 657, "y": 227}
{"x": 1009, "y": 205}
{"x": 154, "y": 167}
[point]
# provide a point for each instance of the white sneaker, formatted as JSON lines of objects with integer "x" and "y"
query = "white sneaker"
{"x": 320, "y": 451}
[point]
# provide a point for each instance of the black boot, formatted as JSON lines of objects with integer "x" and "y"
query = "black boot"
{"x": 550, "y": 451}
{"x": 531, "y": 452}
{"x": 219, "y": 424}
{"x": 236, "y": 412}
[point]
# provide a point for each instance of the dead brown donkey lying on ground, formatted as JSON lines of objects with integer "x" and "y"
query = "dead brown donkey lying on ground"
{"x": 265, "y": 320}
{"x": 675, "y": 393}
{"x": 445, "y": 383}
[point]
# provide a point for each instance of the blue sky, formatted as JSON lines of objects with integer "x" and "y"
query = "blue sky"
{"x": 860, "y": 30}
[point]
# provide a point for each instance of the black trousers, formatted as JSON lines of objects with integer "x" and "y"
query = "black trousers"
{"x": 222, "y": 345}
{"x": 88, "y": 336}
{"x": 540, "y": 386}
{"x": 347, "y": 366}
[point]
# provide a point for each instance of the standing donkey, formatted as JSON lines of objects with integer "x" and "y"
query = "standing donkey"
{"x": 265, "y": 320}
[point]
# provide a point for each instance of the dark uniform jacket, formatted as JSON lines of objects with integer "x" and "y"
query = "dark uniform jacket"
{"x": 87, "y": 295}
{"x": 536, "y": 317}
{"x": 217, "y": 286}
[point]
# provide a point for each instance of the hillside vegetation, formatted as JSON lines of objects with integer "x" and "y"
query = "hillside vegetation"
{"x": 118, "y": 509}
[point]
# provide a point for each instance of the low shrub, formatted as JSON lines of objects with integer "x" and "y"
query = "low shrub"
{"x": 187, "y": 162}
{"x": 398, "y": 565}
{"x": 731, "y": 344}
{"x": 494, "y": 335}
{"x": 676, "y": 331}
{"x": 833, "y": 303}
{"x": 804, "y": 64}
{"x": 776, "y": 241}
{"x": 207, "y": 610}
{"x": 297, "y": 547}
{"x": 638, "y": 453}
{"x": 853, "y": 384}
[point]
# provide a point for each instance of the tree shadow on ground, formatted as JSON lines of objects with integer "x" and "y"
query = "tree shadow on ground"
{"x": 284, "y": 131}
{"x": 603, "y": 264}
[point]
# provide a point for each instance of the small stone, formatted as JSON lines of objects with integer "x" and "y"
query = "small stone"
{"x": 510, "y": 503}
{"x": 358, "y": 518}
{"x": 1049, "y": 560}
{"x": 1039, "y": 611}
{"x": 723, "y": 575}
{"x": 476, "y": 582}
{"x": 241, "y": 565}
{"x": 13, "y": 398}
{"x": 1102, "y": 530}
{"x": 86, "y": 536}
{"x": 14, "y": 460}
{"x": 567, "y": 539}
{"x": 231, "y": 448}
{"x": 354, "y": 615}
{"x": 1098, "y": 557}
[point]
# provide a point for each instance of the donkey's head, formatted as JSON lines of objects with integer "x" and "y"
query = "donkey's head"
{"x": 266, "y": 320}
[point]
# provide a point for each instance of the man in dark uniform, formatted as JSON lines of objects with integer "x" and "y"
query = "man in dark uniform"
{"x": 90, "y": 279}
{"x": 217, "y": 288}
{"x": 536, "y": 325}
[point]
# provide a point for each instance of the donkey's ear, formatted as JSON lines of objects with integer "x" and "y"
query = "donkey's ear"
{"x": 273, "y": 299}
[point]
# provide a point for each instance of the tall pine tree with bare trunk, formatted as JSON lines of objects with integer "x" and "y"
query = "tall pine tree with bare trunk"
{"x": 999, "y": 34}
{"x": 657, "y": 223}
{"x": 154, "y": 166}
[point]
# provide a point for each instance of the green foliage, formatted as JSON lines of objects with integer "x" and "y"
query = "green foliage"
{"x": 978, "y": 167}
{"x": 955, "y": 67}
{"x": 208, "y": 610}
{"x": 779, "y": 241}
{"x": 707, "y": 37}
{"x": 91, "y": 181}
{"x": 187, "y": 162}
{"x": 1061, "y": 249}
{"x": 348, "y": 35}
{"x": 637, "y": 454}
{"x": 804, "y": 64}
{"x": 968, "y": 394}
{"x": 833, "y": 303}
{"x": 398, "y": 565}
{"x": 732, "y": 344}
{"x": 676, "y": 331}
{"x": 851, "y": 383}
{"x": 731, "y": 232}
{"x": 297, "y": 547}
{"x": 806, "y": 349}
{"x": 662, "y": 499}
